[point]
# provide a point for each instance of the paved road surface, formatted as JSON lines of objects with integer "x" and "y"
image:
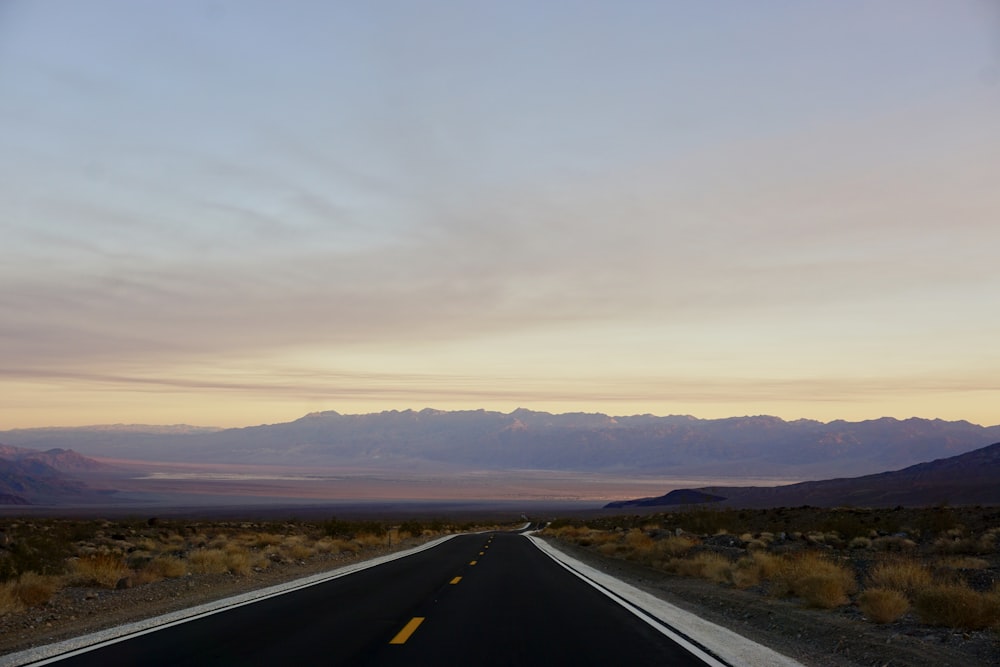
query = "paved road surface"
{"x": 490, "y": 599}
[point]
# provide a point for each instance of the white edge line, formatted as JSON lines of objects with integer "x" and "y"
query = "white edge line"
{"x": 50, "y": 653}
{"x": 732, "y": 647}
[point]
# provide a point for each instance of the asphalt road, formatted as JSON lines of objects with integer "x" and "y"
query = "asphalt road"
{"x": 491, "y": 599}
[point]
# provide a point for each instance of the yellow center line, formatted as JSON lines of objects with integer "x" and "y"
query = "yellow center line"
{"x": 407, "y": 630}
{"x": 472, "y": 562}
{"x": 481, "y": 553}
{"x": 456, "y": 580}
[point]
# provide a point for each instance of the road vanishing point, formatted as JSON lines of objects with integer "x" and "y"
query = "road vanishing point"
{"x": 501, "y": 598}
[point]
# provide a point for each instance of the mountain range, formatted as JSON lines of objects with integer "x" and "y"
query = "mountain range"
{"x": 29, "y": 476}
{"x": 972, "y": 478}
{"x": 759, "y": 446}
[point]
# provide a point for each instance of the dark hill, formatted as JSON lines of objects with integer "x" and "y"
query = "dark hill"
{"x": 675, "y": 497}
{"x": 29, "y": 476}
{"x": 967, "y": 479}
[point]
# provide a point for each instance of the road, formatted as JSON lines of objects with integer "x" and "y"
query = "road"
{"x": 486, "y": 599}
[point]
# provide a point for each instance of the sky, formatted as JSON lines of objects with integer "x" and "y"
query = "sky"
{"x": 233, "y": 213}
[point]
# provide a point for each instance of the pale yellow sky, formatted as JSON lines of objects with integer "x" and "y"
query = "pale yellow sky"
{"x": 241, "y": 218}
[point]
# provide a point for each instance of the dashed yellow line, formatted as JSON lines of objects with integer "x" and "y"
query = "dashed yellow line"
{"x": 481, "y": 553}
{"x": 455, "y": 580}
{"x": 473, "y": 562}
{"x": 407, "y": 630}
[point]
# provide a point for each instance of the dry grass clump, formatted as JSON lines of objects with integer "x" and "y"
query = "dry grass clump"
{"x": 219, "y": 561}
{"x": 326, "y": 545}
{"x": 639, "y": 546}
{"x": 33, "y": 589}
{"x": 900, "y": 574}
{"x": 146, "y": 544}
{"x": 159, "y": 568}
{"x": 819, "y": 581}
{"x": 297, "y": 548}
{"x": 239, "y": 562}
{"x": 343, "y": 546}
{"x": 752, "y": 570}
{"x": 371, "y": 541}
{"x": 860, "y": 543}
{"x": 883, "y": 605}
{"x": 638, "y": 540}
{"x": 704, "y": 565}
{"x": 99, "y": 569}
{"x": 9, "y": 601}
{"x": 261, "y": 540}
{"x": 958, "y": 606}
{"x": 675, "y": 546}
{"x": 208, "y": 561}
{"x": 174, "y": 544}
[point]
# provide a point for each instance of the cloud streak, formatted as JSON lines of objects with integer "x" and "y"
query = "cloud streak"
{"x": 382, "y": 206}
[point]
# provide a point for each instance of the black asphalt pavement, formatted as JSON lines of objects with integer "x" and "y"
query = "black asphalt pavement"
{"x": 489, "y": 599}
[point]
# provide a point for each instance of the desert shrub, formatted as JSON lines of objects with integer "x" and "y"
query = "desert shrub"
{"x": 163, "y": 567}
{"x": 608, "y": 549}
{"x": 145, "y": 544}
{"x": 41, "y": 551}
{"x": 371, "y": 540}
{"x": 296, "y": 548}
{"x": 352, "y": 529}
{"x": 34, "y": 589}
{"x": 599, "y": 537}
{"x": 99, "y": 569}
{"x": 899, "y": 574}
{"x": 239, "y": 562}
{"x": 174, "y": 544}
{"x": 957, "y": 606}
{"x": 825, "y": 590}
{"x": 265, "y": 539}
{"x": 844, "y": 524}
{"x": 675, "y": 545}
{"x": 705, "y": 521}
{"x": 819, "y": 581}
{"x": 860, "y": 543}
{"x": 753, "y": 569}
{"x": 883, "y": 605}
{"x": 639, "y": 546}
{"x": 9, "y": 602}
{"x": 896, "y": 543}
{"x": 343, "y": 546}
{"x": 232, "y": 559}
{"x": 326, "y": 546}
{"x": 704, "y": 565}
{"x": 208, "y": 561}
{"x": 636, "y": 539}
{"x": 939, "y": 520}
{"x": 963, "y": 545}
{"x": 961, "y": 563}
{"x": 814, "y": 537}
